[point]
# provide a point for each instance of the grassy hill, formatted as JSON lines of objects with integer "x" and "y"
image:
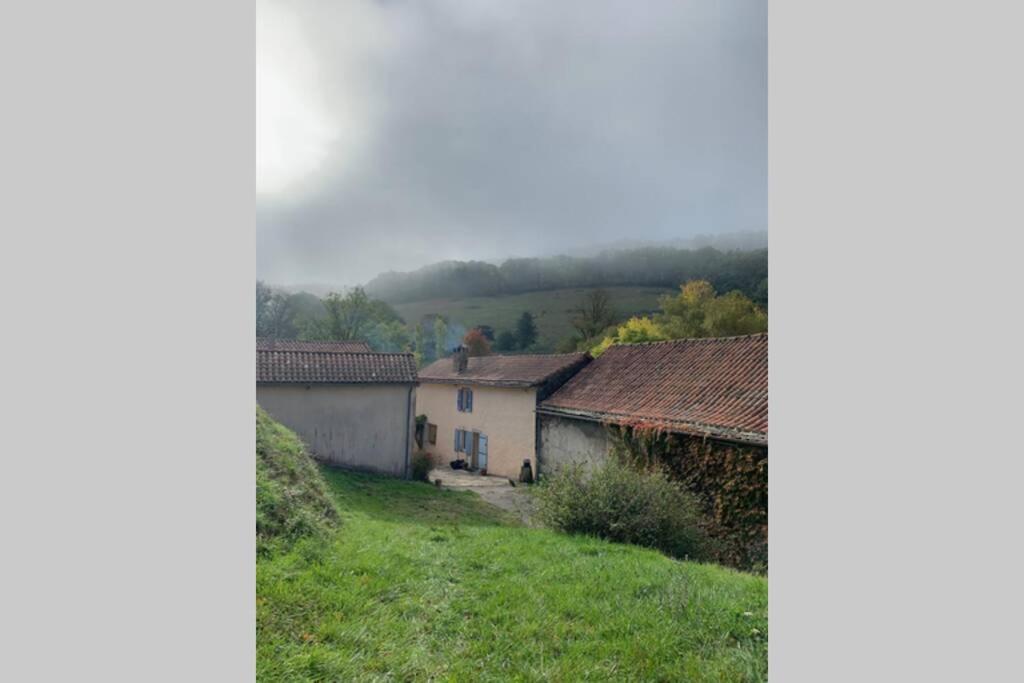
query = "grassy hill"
{"x": 423, "y": 584}
{"x": 292, "y": 501}
{"x": 552, "y": 309}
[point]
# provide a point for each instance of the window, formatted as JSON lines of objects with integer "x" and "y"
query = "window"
{"x": 464, "y": 400}
{"x": 432, "y": 433}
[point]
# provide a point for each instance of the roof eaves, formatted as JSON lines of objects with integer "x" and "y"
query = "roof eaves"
{"x": 690, "y": 428}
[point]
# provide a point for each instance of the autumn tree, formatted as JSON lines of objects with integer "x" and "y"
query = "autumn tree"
{"x": 697, "y": 311}
{"x": 476, "y": 343}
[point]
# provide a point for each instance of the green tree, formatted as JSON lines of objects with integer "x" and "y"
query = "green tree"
{"x": 274, "y": 313}
{"x": 526, "y": 330}
{"x": 440, "y": 337}
{"x": 506, "y": 341}
{"x": 348, "y": 317}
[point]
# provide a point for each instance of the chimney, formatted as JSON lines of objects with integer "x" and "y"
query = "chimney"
{"x": 460, "y": 358}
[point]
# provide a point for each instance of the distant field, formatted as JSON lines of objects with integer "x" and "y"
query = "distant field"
{"x": 551, "y": 309}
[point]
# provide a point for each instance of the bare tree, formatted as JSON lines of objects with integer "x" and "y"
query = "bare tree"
{"x": 594, "y": 314}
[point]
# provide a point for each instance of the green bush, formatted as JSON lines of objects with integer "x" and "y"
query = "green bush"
{"x": 422, "y": 463}
{"x": 291, "y": 496}
{"x": 621, "y": 503}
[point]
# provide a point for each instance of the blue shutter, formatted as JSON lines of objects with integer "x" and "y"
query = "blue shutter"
{"x": 456, "y": 440}
{"x": 458, "y": 401}
{"x": 469, "y": 400}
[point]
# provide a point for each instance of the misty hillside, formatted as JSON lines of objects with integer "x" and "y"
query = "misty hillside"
{"x": 746, "y": 271}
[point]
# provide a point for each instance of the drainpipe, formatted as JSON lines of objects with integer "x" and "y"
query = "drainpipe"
{"x": 408, "y": 415}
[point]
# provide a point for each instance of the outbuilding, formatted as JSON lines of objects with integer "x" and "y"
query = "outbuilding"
{"x": 352, "y": 407}
{"x": 714, "y": 390}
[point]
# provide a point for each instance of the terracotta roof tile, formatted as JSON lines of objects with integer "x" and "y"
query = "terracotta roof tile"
{"x": 516, "y": 371}
{"x": 296, "y": 345}
{"x": 332, "y": 367}
{"x": 714, "y": 387}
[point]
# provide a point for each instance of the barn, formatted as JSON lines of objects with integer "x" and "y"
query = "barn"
{"x": 354, "y": 408}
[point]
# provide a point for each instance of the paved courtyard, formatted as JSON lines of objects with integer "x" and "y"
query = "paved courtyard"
{"x": 495, "y": 490}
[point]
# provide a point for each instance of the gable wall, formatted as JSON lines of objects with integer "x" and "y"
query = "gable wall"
{"x": 358, "y": 426}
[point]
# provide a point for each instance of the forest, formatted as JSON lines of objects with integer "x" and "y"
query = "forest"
{"x": 715, "y": 294}
{"x": 744, "y": 271}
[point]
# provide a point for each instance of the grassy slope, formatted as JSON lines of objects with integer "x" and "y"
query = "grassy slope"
{"x": 292, "y": 500}
{"x": 424, "y": 584}
{"x": 552, "y": 308}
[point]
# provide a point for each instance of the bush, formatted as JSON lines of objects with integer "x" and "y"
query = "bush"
{"x": 422, "y": 463}
{"x": 624, "y": 504}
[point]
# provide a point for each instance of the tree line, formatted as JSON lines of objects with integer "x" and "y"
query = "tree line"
{"x": 743, "y": 271}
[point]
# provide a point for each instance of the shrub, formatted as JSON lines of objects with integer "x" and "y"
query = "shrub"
{"x": 624, "y": 504}
{"x": 421, "y": 466}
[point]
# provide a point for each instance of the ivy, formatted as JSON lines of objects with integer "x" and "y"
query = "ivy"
{"x": 730, "y": 480}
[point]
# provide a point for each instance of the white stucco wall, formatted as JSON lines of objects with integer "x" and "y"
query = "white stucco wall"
{"x": 565, "y": 440}
{"x": 505, "y": 415}
{"x": 359, "y": 426}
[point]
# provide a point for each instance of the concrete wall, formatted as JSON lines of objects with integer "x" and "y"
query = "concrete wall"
{"x": 565, "y": 440}
{"x": 359, "y": 426}
{"x": 505, "y": 415}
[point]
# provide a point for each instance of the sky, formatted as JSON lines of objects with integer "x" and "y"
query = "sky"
{"x": 391, "y": 134}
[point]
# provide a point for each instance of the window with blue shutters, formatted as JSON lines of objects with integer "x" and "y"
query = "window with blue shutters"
{"x": 464, "y": 400}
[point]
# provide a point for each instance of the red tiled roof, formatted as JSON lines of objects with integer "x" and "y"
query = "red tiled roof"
{"x": 503, "y": 371}
{"x": 332, "y": 367}
{"x": 709, "y": 387}
{"x": 263, "y": 344}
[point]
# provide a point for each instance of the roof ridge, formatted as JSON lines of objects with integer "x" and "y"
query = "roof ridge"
{"x": 693, "y": 339}
{"x": 339, "y": 353}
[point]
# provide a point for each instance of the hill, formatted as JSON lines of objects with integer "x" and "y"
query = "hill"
{"x": 291, "y": 497}
{"x": 552, "y": 309}
{"x": 746, "y": 271}
{"x": 425, "y": 584}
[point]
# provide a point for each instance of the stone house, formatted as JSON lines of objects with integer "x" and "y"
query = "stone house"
{"x": 352, "y": 407}
{"x": 714, "y": 389}
{"x": 483, "y": 409}
{"x": 697, "y": 406}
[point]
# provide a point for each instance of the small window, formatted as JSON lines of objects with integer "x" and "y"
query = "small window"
{"x": 432, "y": 433}
{"x": 464, "y": 400}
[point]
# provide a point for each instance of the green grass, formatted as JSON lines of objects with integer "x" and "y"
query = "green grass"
{"x": 551, "y": 308}
{"x": 292, "y": 500}
{"x": 422, "y": 584}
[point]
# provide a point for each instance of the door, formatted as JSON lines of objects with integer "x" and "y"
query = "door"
{"x": 481, "y": 453}
{"x": 473, "y": 450}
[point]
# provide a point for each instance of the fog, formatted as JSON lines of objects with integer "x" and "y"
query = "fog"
{"x": 395, "y": 134}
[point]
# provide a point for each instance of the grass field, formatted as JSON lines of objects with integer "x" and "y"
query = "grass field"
{"x": 420, "y": 584}
{"x": 551, "y": 308}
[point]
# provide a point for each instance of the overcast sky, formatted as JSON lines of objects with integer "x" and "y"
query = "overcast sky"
{"x": 392, "y": 134}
